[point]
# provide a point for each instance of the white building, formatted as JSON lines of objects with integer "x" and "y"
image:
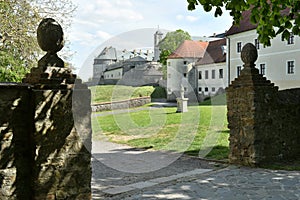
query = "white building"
{"x": 179, "y": 64}
{"x": 211, "y": 70}
{"x": 280, "y": 62}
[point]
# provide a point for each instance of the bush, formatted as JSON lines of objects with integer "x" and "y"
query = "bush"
{"x": 159, "y": 93}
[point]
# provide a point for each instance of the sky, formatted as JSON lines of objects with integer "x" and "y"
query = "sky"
{"x": 131, "y": 24}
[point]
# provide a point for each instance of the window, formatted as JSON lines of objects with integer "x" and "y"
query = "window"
{"x": 185, "y": 62}
{"x": 213, "y": 89}
{"x": 184, "y": 75}
{"x": 291, "y": 39}
{"x": 221, "y": 73}
{"x": 239, "y": 47}
{"x": 111, "y": 75}
{"x": 256, "y": 41}
{"x": 213, "y": 74}
{"x": 262, "y": 69}
{"x": 238, "y": 70}
{"x": 200, "y": 89}
{"x": 200, "y": 74}
{"x": 206, "y": 74}
{"x": 291, "y": 67}
{"x": 206, "y": 89}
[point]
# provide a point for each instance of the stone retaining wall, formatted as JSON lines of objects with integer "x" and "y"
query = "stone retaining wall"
{"x": 121, "y": 104}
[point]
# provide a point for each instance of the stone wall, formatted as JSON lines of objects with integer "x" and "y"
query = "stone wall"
{"x": 15, "y": 154}
{"x": 45, "y": 137}
{"x": 131, "y": 103}
{"x": 262, "y": 120}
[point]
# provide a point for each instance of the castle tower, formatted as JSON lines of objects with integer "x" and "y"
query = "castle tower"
{"x": 157, "y": 38}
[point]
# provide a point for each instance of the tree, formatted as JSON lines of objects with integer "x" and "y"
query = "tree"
{"x": 19, "y": 19}
{"x": 169, "y": 44}
{"x": 266, "y": 14}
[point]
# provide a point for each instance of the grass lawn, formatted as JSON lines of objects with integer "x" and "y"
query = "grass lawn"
{"x": 108, "y": 93}
{"x": 202, "y": 131}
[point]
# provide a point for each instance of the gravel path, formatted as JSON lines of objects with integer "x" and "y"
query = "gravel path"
{"x": 124, "y": 173}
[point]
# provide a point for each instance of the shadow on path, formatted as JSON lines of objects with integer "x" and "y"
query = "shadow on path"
{"x": 117, "y": 165}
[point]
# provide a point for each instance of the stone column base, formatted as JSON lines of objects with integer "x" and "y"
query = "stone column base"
{"x": 182, "y": 104}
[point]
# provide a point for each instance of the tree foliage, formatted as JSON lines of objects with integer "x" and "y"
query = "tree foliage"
{"x": 19, "y": 19}
{"x": 267, "y": 14}
{"x": 171, "y": 42}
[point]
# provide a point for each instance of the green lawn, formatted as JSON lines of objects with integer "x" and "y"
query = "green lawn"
{"x": 201, "y": 131}
{"x": 108, "y": 93}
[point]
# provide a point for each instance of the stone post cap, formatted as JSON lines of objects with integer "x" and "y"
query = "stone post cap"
{"x": 249, "y": 55}
{"x": 50, "y": 37}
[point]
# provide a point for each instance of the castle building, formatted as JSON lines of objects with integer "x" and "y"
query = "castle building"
{"x": 134, "y": 67}
{"x": 158, "y": 35}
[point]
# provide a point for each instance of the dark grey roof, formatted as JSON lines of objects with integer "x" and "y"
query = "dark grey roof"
{"x": 136, "y": 59}
{"x": 151, "y": 71}
{"x": 114, "y": 66}
{"x": 215, "y": 53}
{"x": 108, "y": 53}
{"x": 246, "y": 25}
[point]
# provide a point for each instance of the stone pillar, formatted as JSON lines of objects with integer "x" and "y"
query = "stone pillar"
{"x": 249, "y": 102}
{"x": 61, "y": 135}
{"x": 45, "y": 129}
{"x": 182, "y": 104}
{"x": 61, "y": 130}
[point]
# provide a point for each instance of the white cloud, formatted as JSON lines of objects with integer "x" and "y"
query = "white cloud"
{"x": 112, "y": 11}
{"x": 127, "y": 3}
{"x": 188, "y": 18}
{"x": 191, "y": 18}
{"x": 119, "y": 15}
{"x": 103, "y": 35}
{"x": 179, "y": 17}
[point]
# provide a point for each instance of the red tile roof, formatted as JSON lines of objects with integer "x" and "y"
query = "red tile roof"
{"x": 215, "y": 53}
{"x": 189, "y": 49}
{"x": 246, "y": 25}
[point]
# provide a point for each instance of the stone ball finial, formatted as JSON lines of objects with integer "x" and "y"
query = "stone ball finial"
{"x": 249, "y": 54}
{"x": 50, "y": 35}
{"x": 50, "y": 38}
